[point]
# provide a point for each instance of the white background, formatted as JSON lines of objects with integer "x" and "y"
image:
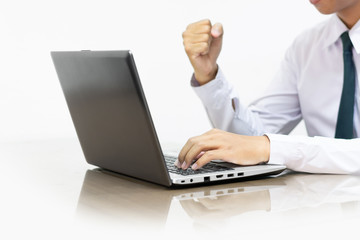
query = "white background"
{"x": 32, "y": 105}
{"x": 40, "y": 195}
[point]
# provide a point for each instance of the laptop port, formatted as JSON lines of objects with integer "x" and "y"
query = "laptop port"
{"x": 206, "y": 179}
{"x": 230, "y": 175}
{"x": 219, "y": 176}
{"x": 240, "y": 174}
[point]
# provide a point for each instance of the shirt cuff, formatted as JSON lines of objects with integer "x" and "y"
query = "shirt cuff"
{"x": 284, "y": 148}
{"x": 213, "y": 91}
{"x": 195, "y": 83}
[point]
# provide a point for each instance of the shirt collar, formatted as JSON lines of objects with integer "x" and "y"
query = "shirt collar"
{"x": 336, "y": 27}
{"x": 354, "y": 34}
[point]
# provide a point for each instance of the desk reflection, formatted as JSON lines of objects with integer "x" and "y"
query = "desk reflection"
{"x": 120, "y": 199}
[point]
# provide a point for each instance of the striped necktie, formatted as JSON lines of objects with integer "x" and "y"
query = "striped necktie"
{"x": 345, "y": 122}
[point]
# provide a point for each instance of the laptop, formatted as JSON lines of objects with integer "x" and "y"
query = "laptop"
{"x": 114, "y": 125}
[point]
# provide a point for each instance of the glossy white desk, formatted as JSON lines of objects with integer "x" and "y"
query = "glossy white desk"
{"x": 49, "y": 192}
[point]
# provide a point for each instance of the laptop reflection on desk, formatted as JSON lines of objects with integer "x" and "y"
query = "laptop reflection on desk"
{"x": 110, "y": 196}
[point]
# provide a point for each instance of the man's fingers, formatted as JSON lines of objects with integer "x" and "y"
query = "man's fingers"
{"x": 199, "y": 155}
{"x": 197, "y": 49}
{"x": 203, "y": 26}
{"x": 217, "y": 33}
{"x": 185, "y": 150}
{"x": 206, "y": 158}
{"x": 197, "y": 38}
{"x": 190, "y": 38}
{"x": 217, "y": 30}
{"x": 195, "y": 147}
{"x": 194, "y": 153}
{"x": 193, "y": 141}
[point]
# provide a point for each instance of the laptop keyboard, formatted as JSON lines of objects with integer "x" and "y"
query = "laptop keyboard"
{"x": 208, "y": 168}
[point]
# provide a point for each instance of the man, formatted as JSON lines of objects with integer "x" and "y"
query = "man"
{"x": 317, "y": 82}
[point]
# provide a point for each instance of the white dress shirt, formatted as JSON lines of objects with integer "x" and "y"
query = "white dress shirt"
{"x": 308, "y": 86}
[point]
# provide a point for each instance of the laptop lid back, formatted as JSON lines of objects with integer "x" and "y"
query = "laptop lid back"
{"x": 110, "y": 113}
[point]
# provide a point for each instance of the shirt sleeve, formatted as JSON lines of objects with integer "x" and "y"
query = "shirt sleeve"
{"x": 278, "y": 111}
{"x": 315, "y": 154}
{"x": 217, "y": 96}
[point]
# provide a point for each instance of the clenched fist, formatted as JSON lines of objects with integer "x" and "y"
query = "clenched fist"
{"x": 202, "y": 42}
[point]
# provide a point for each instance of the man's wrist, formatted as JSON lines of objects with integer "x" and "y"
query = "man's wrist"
{"x": 265, "y": 149}
{"x": 203, "y": 78}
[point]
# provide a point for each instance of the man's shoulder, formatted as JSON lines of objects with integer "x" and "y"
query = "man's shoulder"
{"x": 313, "y": 36}
{"x": 309, "y": 41}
